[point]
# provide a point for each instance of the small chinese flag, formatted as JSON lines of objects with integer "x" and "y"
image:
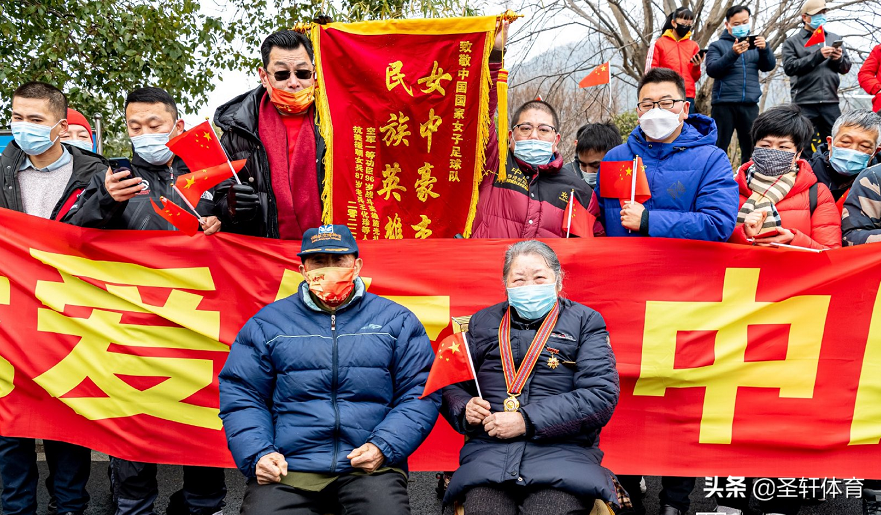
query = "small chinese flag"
{"x": 177, "y": 216}
{"x": 819, "y": 36}
{"x": 600, "y": 75}
{"x": 616, "y": 180}
{"x": 199, "y": 147}
{"x": 452, "y": 364}
{"x": 192, "y": 185}
{"x": 578, "y": 221}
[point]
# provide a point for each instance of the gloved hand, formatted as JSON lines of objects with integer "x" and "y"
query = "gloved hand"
{"x": 242, "y": 201}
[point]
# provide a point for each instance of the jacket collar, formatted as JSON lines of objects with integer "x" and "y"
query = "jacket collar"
{"x": 141, "y": 166}
{"x": 310, "y": 303}
{"x": 671, "y": 33}
{"x": 804, "y": 179}
{"x": 553, "y": 167}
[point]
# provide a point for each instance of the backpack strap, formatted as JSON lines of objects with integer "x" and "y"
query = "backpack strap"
{"x": 812, "y": 195}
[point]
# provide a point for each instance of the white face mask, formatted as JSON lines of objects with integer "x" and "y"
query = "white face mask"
{"x": 659, "y": 123}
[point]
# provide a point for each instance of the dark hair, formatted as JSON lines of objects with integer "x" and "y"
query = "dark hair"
{"x": 599, "y": 137}
{"x": 736, "y": 9}
{"x": 42, "y": 91}
{"x": 536, "y": 105}
{"x": 784, "y": 121}
{"x": 683, "y": 12}
{"x": 151, "y": 96}
{"x": 659, "y": 75}
{"x": 286, "y": 40}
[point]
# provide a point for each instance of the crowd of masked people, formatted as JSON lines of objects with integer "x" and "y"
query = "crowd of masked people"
{"x": 320, "y": 395}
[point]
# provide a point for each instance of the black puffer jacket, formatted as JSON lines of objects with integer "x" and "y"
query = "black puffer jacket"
{"x": 96, "y": 208}
{"x": 85, "y": 165}
{"x": 241, "y": 140}
{"x": 813, "y": 79}
{"x": 564, "y": 407}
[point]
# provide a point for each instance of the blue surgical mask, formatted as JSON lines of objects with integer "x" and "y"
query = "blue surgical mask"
{"x": 33, "y": 139}
{"x": 152, "y": 149}
{"x": 85, "y": 145}
{"x": 740, "y": 31}
{"x": 533, "y": 301}
{"x": 847, "y": 161}
{"x": 818, "y": 20}
{"x": 591, "y": 179}
{"x": 534, "y": 151}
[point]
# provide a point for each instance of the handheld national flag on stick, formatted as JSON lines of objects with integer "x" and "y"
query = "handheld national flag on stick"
{"x": 192, "y": 185}
{"x": 624, "y": 180}
{"x": 600, "y": 75}
{"x": 200, "y": 148}
{"x": 578, "y": 220}
{"x": 452, "y": 365}
{"x": 636, "y": 163}
{"x": 177, "y": 216}
{"x": 819, "y": 36}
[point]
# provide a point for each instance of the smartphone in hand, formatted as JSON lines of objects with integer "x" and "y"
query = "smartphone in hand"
{"x": 838, "y": 44}
{"x": 752, "y": 41}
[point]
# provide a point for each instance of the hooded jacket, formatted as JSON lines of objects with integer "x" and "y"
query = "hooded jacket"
{"x": 813, "y": 78}
{"x": 565, "y": 407}
{"x": 694, "y": 195}
{"x": 737, "y": 76}
{"x": 676, "y": 55}
{"x": 85, "y": 165}
{"x": 818, "y": 230}
{"x": 870, "y": 77}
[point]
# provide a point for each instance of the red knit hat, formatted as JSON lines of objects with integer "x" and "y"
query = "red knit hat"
{"x": 74, "y": 117}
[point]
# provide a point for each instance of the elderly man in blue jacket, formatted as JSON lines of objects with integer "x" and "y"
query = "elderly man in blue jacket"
{"x": 320, "y": 394}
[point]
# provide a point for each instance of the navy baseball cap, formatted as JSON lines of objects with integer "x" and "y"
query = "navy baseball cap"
{"x": 328, "y": 239}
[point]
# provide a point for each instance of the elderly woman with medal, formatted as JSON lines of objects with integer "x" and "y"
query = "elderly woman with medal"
{"x": 549, "y": 384}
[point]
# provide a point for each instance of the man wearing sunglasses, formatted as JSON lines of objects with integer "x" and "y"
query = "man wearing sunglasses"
{"x": 275, "y": 128}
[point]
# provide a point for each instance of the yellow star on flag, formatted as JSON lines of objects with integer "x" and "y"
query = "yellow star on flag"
{"x": 190, "y": 182}
{"x": 454, "y": 347}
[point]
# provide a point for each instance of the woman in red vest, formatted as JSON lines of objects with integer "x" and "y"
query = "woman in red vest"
{"x": 870, "y": 77}
{"x": 676, "y": 50}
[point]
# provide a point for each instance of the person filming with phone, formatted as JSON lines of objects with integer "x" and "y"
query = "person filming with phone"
{"x": 734, "y": 61}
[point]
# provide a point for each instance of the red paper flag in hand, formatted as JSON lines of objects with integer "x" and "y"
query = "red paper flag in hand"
{"x": 600, "y": 75}
{"x": 452, "y": 364}
{"x": 577, "y": 220}
{"x": 192, "y": 185}
{"x": 199, "y": 147}
{"x": 616, "y": 180}
{"x": 819, "y": 36}
{"x": 177, "y": 216}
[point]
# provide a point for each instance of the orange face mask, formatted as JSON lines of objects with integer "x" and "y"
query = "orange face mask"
{"x": 292, "y": 103}
{"x": 331, "y": 284}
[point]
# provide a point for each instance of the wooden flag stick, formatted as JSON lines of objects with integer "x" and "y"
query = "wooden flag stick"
{"x": 569, "y": 225}
{"x": 471, "y": 364}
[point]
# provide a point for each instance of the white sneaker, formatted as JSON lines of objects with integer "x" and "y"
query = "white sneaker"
{"x": 730, "y": 511}
{"x": 642, "y": 487}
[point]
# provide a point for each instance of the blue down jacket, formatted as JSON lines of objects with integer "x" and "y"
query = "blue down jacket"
{"x": 565, "y": 407}
{"x": 737, "y": 76}
{"x": 314, "y": 386}
{"x": 694, "y": 195}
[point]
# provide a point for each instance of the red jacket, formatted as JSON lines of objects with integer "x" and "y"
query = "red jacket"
{"x": 870, "y": 77}
{"x": 677, "y": 55}
{"x": 822, "y": 230}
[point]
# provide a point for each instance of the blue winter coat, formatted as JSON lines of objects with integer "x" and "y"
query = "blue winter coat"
{"x": 565, "y": 407}
{"x": 737, "y": 76}
{"x": 694, "y": 195}
{"x": 314, "y": 386}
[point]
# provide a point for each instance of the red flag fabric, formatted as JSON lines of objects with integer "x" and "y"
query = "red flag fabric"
{"x": 577, "y": 220}
{"x": 616, "y": 180}
{"x": 192, "y": 185}
{"x": 451, "y": 365}
{"x": 177, "y": 216}
{"x": 819, "y": 36}
{"x": 600, "y": 75}
{"x": 198, "y": 147}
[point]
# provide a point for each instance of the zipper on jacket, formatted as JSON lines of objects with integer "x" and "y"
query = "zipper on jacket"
{"x": 743, "y": 66}
{"x": 336, "y": 408}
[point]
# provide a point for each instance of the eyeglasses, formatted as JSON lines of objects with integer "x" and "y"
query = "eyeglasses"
{"x": 667, "y": 103}
{"x": 526, "y": 129}
{"x": 283, "y": 75}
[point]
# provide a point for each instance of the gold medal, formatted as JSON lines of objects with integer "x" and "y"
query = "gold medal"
{"x": 511, "y": 404}
{"x": 553, "y": 362}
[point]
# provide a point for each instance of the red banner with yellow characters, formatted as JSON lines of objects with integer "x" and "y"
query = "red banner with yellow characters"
{"x": 403, "y": 107}
{"x": 734, "y": 360}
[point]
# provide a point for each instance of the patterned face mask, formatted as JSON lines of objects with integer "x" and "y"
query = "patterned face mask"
{"x": 772, "y": 162}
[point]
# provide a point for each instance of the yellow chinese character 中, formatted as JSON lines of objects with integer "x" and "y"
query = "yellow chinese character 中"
{"x": 433, "y": 81}
{"x": 425, "y": 183}
{"x": 422, "y": 230}
{"x": 391, "y": 182}
{"x": 463, "y": 74}
{"x": 394, "y": 77}
{"x": 395, "y": 131}
{"x": 430, "y": 127}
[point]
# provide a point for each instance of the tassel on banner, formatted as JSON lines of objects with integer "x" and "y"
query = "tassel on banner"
{"x": 502, "y": 92}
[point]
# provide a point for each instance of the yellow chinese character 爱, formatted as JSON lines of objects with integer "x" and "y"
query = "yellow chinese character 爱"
{"x": 395, "y": 131}
{"x": 433, "y": 81}
{"x": 391, "y": 182}
{"x": 430, "y": 127}
{"x": 422, "y": 230}
{"x": 425, "y": 183}
{"x": 393, "y": 229}
{"x": 394, "y": 77}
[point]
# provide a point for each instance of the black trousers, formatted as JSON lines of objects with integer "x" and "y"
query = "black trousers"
{"x": 675, "y": 492}
{"x": 135, "y": 489}
{"x": 380, "y": 494}
{"x": 517, "y": 500}
{"x": 735, "y": 117}
{"x": 69, "y": 467}
{"x": 823, "y": 117}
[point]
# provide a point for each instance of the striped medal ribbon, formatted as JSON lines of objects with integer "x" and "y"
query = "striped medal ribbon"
{"x": 515, "y": 380}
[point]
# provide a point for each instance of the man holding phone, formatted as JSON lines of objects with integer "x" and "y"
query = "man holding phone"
{"x": 734, "y": 61}
{"x": 814, "y": 71}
